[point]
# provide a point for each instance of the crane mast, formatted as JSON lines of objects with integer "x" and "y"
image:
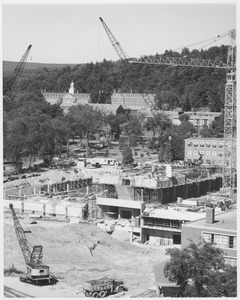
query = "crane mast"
{"x": 116, "y": 45}
{"x": 230, "y": 118}
{"x": 17, "y": 72}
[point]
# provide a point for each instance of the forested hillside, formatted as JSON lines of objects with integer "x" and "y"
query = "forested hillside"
{"x": 184, "y": 87}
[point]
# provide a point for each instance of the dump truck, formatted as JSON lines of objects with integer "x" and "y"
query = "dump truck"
{"x": 100, "y": 288}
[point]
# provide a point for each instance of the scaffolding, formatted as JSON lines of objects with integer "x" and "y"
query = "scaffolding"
{"x": 79, "y": 186}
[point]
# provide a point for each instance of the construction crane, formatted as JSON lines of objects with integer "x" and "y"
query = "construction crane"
{"x": 36, "y": 271}
{"x": 17, "y": 73}
{"x": 114, "y": 42}
{"x": 229, "y": 165}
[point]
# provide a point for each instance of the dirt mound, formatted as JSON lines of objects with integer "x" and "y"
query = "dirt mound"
{"x": 79, "y": 252}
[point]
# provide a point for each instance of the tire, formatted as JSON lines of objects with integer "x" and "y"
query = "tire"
{"x": 102, "y": 294}
{"x": 120, "y": 289}
{"x": 87, "y": 293}
{"x": 95, "y": 295}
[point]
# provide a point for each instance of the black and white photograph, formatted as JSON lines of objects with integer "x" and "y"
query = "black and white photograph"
{"x": 119, "y": 149}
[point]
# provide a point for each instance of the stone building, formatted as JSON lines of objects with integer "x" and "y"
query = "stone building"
{"x": 67, "y": 99}
{"x": 133, "y": 101}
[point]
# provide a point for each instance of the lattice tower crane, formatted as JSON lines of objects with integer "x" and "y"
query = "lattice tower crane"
{"x": 17, "y": 72}
{"x": 230, "y": 162}
{"x": 116, "y": 45}
{"x": 36, "y": 270}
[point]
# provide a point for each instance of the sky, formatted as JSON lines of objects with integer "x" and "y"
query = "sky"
{"x": 71, "y": 32}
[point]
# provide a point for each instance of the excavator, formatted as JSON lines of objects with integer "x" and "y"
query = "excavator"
{"x": 36, "y": 271}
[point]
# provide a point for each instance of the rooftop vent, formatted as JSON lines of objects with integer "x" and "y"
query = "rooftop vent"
{"x": 210, "y": 213}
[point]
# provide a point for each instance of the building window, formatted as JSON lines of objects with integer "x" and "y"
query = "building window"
{"x": 202, "y": 144}
{"x": 208, "y": 153}
{"x": 220, "y": 154}
{"x": 197, "y": 121}
{"x": 233, "y": 242}
{"x": 195, "y": 153}
{"x": 221, "y": 241}
{"x": 205, "y": 122}
{"x": 208, "y": 237}
{"x": 208, "y": 144}
{"x": 195, "y": 144}
{"x": 189, "y": 144}
{"x": 189, "y": 152}
{"x": 214, "y": 153}
{"x": 214, "y": 145}
{"x": 220, "y": 145}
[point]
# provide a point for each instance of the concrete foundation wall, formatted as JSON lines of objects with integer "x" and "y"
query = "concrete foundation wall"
{"x": 189, "y": 190}
{"x": 48, "y": 208}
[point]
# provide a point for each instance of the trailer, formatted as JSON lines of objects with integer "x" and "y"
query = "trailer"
{"x": 103, "y": 161}
{"x": 100, "y": 288}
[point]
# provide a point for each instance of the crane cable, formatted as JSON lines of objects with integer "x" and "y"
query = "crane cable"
{"x": 11, "y": 238}
{"x": 207, "y": 40}
{"x": 31, "y": 233}
{"x": 220, "y": 37}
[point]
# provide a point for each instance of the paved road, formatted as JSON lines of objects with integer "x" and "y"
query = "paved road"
{"x": 12, "y": 293}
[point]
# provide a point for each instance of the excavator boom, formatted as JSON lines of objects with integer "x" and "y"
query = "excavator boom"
{"x": 20, "y": 233}
{"x": 17, "y": 72}
{"x": 36, "y": 271}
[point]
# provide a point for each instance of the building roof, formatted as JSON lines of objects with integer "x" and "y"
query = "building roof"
{"x": 109, "y": 108}
{"x": 133, "y": 95}
{"x": 197, "y": 138}
{"x": 226, "y": 221}
{"x": 174, "y": 214}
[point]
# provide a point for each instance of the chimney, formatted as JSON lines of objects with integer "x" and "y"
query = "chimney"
{"x": 210, "y": 213}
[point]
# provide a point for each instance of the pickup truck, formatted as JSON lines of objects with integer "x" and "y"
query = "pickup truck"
{"x": 102, "y": 287}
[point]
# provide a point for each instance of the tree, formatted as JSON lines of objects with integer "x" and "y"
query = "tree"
{"x": 85, "y": 121}
{"x": 127, "y": 157}
{"x": 131, "y": 130}
{"x": 159, "y": 123}
{"x": 216, "y": 129}
{"x": 200, "y": 271}
{"x": 115, "y": 122}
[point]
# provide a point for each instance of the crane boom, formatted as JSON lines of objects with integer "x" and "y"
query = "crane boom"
{"x": 116, "y": 45}
{"x": 179, "y": 61}
{"x": 17, "y": 72}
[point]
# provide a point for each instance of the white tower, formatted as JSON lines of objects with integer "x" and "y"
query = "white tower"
{"x": 71, "y": 89}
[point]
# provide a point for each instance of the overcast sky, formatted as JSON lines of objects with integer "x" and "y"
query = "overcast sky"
{"x": 72, "y": 33}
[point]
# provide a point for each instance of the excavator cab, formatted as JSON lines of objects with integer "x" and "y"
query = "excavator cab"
{"x": 36, "y": 273}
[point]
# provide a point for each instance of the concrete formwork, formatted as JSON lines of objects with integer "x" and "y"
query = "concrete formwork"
{"x": 171, "y": 194}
